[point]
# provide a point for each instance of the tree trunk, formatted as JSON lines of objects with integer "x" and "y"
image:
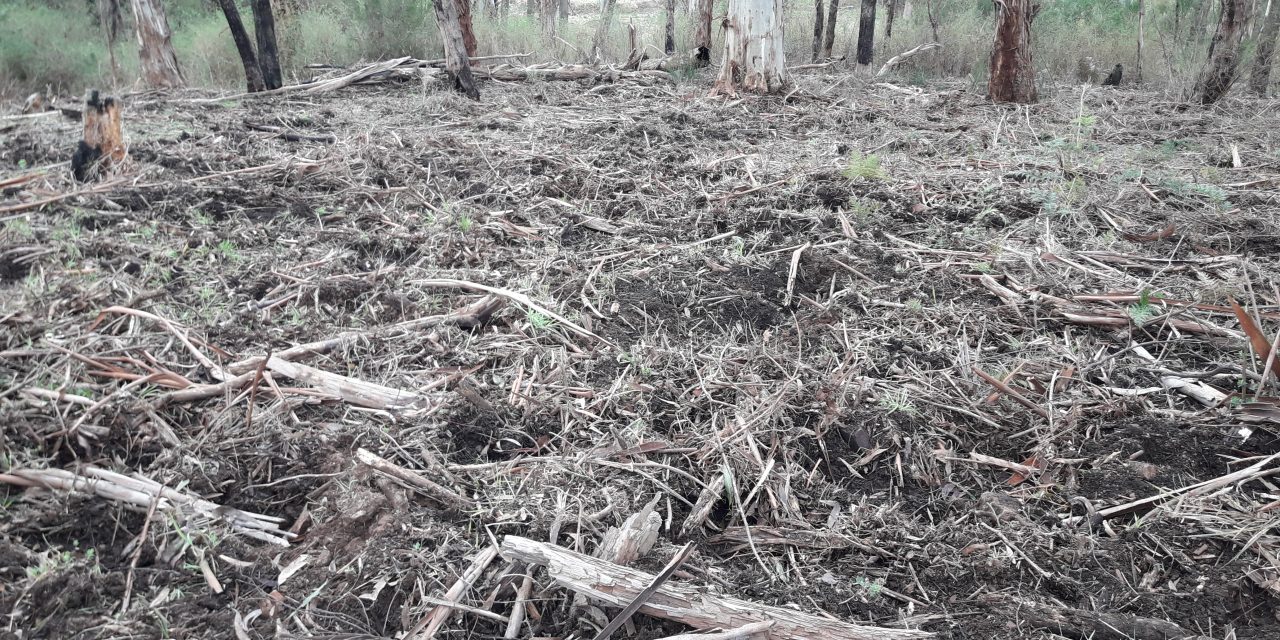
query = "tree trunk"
{"x": 669, "y": 43}
{"x": 1013, "y": 78}
{"x": 754, "y": 58}
{"x": 564, "y": 11}
{"x": 102, "y": 145}
{"x": 702, "y": 31}
{"x": 829, "y": 39}
{"x": 547, "y": 17}
{"x": 933, "y": 20}
{"x": 456, "y": 61}
{"x": 531, "y": 8}
{"x": 110, "y": 20}
{"x": 888, "y": 19}
{"x": 264, "y": 25}
{"x": 1260, "y": 77}
{"x": 866, "y": 32}
{"x": 504, "y": 10}
{"x": 1142, "y": 18}
{"x": 817, "y": 30}
{"x": 155, "y": 51}
{"x": 252, "y": 74}
{"x": 602, "y": 29}
{"x": 1219, "y": 71}
{"x": 464, "y": 21}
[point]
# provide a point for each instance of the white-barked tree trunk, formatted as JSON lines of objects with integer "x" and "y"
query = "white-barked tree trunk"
{"x": 754, "y": 59}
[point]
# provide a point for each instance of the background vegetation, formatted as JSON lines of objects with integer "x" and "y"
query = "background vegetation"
{"x": 57, "y": 44}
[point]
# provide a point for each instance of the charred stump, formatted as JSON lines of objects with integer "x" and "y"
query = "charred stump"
{"x": 1013, "y": 78}
{"x": 102, "y": 143}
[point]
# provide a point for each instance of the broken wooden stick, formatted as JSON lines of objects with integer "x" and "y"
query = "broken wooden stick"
{"x": 697, "y": 607}
{"x": 1012, "y": 393}
{"x": 414, "y": 479}
{"x": 643, "y": 597}
{"x": 1252, "y": 472}
{"x": 430, "y": 625}
{"x": 472, "y": 315}
{"x": 357, "y": 392}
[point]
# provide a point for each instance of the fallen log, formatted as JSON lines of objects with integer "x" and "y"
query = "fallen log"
{"x": 694, "y": 606}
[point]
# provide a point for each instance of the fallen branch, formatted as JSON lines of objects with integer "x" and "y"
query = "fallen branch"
{"x": 906, "y": 55}
{"x": 514, "y": 296}
{"x": 357, "y": 392}
{"x": 472, "y": 315}
{"x": 430, "y": 625}
{"x": 1251, "y": 472}
{"x": 697, "y": 607}
{"x": 142, "y": 492}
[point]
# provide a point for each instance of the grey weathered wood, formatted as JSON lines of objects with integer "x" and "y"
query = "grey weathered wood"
{"x": 697, "y": 607}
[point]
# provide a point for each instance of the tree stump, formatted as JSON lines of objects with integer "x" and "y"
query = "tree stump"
{"x": 754, "y": 59}
{"x": 102, "y": 146}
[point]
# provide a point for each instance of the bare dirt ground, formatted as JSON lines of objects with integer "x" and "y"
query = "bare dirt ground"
{"x": 770, "y": 315}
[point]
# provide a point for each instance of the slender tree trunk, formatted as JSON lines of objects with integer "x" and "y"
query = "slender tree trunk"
{"x": 933, "y": 20}
{"x": 264, "y": 25}
{"x": 244, "y": 46}
{"x": 531, "y": 8}
{"x": 867, "y": 32}
{"x": 464, "y": 21}
{"x": 1260, "y": 76}
{"x": 155, "y": 50}
{"x": 1142, "y": 19}
{"x": 548, "y": 18}
{"x": 669, "y": 42}
{"x": 504, "y": 10}
{"x": 1219, "y": 71}
{"x": 456, "y": 61}
{"x": 829, "y": 38}
{"x": 754, "y": 57}
{"x": 817, "y": 30}
{"x": 702, "y": 31}
{"x": 1013, "y": 76}
{"x": 111, "y": 22}
{"x": 888, "y": 19}
{"x": 564, "y": 11}
{"x": 602, "y": 29}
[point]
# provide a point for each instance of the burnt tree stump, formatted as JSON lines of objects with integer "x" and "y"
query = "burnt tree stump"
{"x": 102, "y": 146}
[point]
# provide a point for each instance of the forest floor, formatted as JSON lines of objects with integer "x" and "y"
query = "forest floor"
{"x": 775, "y": 317}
